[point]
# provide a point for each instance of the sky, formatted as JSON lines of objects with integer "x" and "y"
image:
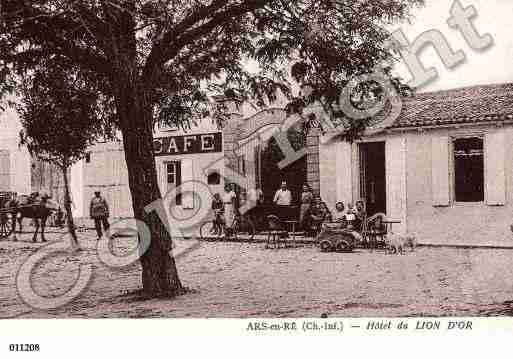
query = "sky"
{"x": 494, "y": 65}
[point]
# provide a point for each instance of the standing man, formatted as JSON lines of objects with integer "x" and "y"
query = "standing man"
{"x": 283, "y": 199}
{"x": 99, "y": 212}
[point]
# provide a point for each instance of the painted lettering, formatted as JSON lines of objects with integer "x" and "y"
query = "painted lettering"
{"x": 460, "y": 20}
{"x": 157, "y": 146}
{"x": 187, "y": 142}
{"x": 410, "y": 54}
{"x": 172, "y": 146}
{"x": 207, "y": 142}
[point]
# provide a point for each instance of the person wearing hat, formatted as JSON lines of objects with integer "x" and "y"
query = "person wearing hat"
{"x": 99, "y": 212}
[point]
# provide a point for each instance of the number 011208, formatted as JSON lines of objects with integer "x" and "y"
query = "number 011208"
{"x": 24, "y": 347}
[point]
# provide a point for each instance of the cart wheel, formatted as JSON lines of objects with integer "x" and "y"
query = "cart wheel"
{"x": 207, "y": 230}
{"x": 5, "y": 225}
{"x": 245, "y": 227}
{"x": 344, "y": 246}
{"x": 325, "y": 246}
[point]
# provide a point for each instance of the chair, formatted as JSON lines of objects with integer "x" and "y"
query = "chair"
{"x": 275, "y": 231}
{"x": 375, "y": 230}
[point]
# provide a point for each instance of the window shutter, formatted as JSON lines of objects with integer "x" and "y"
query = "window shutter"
{"x": 160, "y": 175}
{"x": 5, "y": 171}
{"x": 187, "y": 184}
{"x": 395, "y": 169}
{"x": 440, "y": 170}
{"x": 495, "y": 176}
{"x": 344, "y": 171}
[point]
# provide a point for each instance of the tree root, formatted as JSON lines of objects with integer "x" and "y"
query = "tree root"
{"x": 139, "y": 295}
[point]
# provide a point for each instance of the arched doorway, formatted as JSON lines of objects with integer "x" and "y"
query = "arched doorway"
{"x": 260, "y": 154}
{"x": 272, "y": 175}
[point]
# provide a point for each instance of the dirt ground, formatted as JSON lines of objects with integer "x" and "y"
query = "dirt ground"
{"x": 239, "y": 280}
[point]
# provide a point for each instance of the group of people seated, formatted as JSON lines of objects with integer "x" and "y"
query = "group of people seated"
{"x": 352, "y": 218}
{"x": 314, "y": 213}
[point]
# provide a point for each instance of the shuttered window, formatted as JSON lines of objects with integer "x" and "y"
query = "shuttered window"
{"x": 5, "y": 171}
{"x": 173, "y": 179}
{"x": 440, "y": 170}
{"x": 495, "y": 174}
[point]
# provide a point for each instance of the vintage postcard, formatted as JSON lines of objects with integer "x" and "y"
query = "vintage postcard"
{"x": 337, "y": 168}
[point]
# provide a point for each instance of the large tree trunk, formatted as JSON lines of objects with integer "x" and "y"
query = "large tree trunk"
{"x": 159, "y": 273}
{"x": 69, "y": 214}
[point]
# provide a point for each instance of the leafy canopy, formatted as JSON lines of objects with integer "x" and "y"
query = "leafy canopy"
{"x": 178, "y": 53}
{"x": 59, "y": 113}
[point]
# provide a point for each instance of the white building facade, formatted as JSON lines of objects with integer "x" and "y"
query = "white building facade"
{"x": 15, "y": 163}
{"x": 183, "y": 159}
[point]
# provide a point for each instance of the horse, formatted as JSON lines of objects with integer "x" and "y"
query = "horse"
{"x": 39, "y": 208}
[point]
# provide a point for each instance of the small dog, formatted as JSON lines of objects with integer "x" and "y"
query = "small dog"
{"x": 410, "y": 240}
{"x": 394, "y": 243}
{"x": 397, "y": 244}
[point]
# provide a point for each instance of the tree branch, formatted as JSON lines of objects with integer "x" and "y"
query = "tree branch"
{"x": 172, "y": 42}
{"x": 44, "y": 29}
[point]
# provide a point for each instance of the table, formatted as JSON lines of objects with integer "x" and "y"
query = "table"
{"x": 259, "y": 214}
{"x": 390, "y": 221}
{"x": 293, "y": 223}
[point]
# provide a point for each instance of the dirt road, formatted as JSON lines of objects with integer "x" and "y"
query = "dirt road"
{"x": 247, "y": 280}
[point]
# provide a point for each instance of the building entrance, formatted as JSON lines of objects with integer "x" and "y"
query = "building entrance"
{"x": 271, "y": 175}
{"x": 372, "y": 176}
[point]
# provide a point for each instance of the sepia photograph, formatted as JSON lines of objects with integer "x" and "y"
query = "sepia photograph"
{"x": 257, "y": 160}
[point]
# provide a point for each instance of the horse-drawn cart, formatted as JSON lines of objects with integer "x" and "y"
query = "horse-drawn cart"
{"x": 13, "y": 208}
{"x": 6, "y": 214}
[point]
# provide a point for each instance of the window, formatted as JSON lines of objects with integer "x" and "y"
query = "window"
{"x": 88, "y": 157}
{"x": 468, "y": 169}
{"x": 174, "y": 178}
{"x": 171, "y": 173}
{"x": 213, "y": 177}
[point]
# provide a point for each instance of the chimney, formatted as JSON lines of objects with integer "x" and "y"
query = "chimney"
{"x": 232, "y": 104}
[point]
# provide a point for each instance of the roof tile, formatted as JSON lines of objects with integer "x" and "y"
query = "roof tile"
{"x": 475, "y": 104}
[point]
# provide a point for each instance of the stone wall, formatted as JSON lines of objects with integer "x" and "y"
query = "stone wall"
{"x": 312, "y": 160}
{"x": 231, "y": 134}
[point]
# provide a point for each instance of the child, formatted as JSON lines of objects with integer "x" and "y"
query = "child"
{"x": 318, "y": 215}
{"x": 350, "y": 216}
{"x": 218, "y": 207}
{"x": 361, "y": 215}
{"x": 326, "y": 212}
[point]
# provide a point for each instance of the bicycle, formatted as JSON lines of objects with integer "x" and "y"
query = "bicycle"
{"x": 241, "y": 225}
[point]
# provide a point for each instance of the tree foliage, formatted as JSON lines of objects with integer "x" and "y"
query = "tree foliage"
{"x": 59, "y": 112}
{"x": 184, "y": 51}
{"x": 61, "y": 115}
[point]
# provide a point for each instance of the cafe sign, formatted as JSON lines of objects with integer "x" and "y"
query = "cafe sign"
{"x": 182, "y": 145}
